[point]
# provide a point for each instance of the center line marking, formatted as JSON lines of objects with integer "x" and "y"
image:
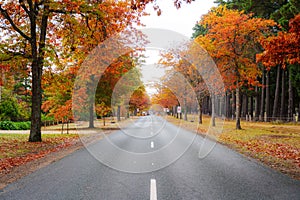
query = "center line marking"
{"x": 153, "y": 192}
{"x": 152, "y": 144}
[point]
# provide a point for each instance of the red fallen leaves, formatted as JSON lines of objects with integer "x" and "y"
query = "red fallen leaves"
{"x": 278, "y": 150}
{"x": 21, "y": 152}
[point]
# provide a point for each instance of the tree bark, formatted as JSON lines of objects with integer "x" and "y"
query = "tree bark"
{"x": 200, "y": 121}
{"x": 251, "y": 106}
{"x": 91, "y": 116}
{"x": 256, "y": 104}
{"x": 227, "y": 108}
{"x": 276, "y": 99}
{"x": 38, "y": 54}
{"x": 119, "y": 113}
{"x": 213, "y": 115}
{"x": 233, "y": 104}
{"x": 262, "y": 100}
{"x": 291, "y": 100}
{"x": 238, "y": 120}
{"x": 282, "y": 106}
{"x": 268, "y": 96}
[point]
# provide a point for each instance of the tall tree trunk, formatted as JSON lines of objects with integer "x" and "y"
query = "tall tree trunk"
{"x": 256, "y": 104}
{"x": 38, "y": 54}
{"x": 262, "y": 100}
{"x": 200, "y": 102}
{"x": 282, "y": 106}
{"x": 227, "y": 108}
{"x": 251, "y": 106}
{"x": 91, "y": 115}
{"x": 213, "y": 115}
{"x": 291, "y": 99}
{"x": 233, "y": 104}
{"x": 276, "y": 99}
{"x": 238, "y": 120}
{"x": 119, "y": 113}
{"x": 268, "y": 96}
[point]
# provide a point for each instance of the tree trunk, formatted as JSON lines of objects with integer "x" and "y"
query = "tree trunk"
{"x": 291, "y": 100}
{"x": 262, "y": 100}
{"x": 185, "y": 110}
{"x": 233, "y": 104}
{"x": 213, "y": 120}
{"x": 38, "y": 54}
{"x": 282, "y": 106}
{"x": 227, "y": 107}
{"x": 268, "y": 96}
{"x": 200, "y": 102}
{"x": 238, "y": 120}
{"x": 276, "y": 99}
{"x": 91, "y": 117}
{"x": 256, "y": 104}
{"x": 251, "y": 106}
{"x": 36, "y": 122}
{"x": 119, "y": 113}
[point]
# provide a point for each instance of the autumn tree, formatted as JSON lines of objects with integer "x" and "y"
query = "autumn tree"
{"x": 175, "y": 59}
{"x": 232, "y": 40}
{"x": 37, "y": 25}
{"x": 164, "y": 97}
{"x": 283, "y": 50}
{"x": 139, "y": 100}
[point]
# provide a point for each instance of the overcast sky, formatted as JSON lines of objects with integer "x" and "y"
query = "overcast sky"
{"x": 179, "y": 20}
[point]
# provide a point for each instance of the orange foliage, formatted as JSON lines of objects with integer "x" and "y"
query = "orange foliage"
{"x": 232, "y": 40}
{"x": 283, "y": 48}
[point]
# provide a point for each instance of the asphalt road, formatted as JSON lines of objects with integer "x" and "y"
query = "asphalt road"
{"x": 152, "y": 159}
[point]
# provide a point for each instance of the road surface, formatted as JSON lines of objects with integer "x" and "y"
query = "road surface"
{"x": 152, "y": 159}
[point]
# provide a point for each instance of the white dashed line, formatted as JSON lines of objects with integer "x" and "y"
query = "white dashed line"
{"x": 152, "y": 144}
{"x": 153, "y": 193}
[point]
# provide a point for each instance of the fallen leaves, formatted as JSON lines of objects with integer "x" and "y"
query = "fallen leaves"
{"x": 16, "y": 151}
{"x": 277, "y": 146}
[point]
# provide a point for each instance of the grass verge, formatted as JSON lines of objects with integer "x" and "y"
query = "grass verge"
{"x": 15, "y": 150}
{"x": 277, "y": 146}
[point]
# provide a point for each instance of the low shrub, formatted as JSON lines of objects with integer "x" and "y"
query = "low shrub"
{"x": 9, "y": 125}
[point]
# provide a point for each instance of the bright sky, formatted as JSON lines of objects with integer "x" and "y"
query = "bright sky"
{"x": 179, "y": 20}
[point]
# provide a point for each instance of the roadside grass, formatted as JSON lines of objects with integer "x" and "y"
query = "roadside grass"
{"x": 276, "y": 145}
{"x": 15, "y": 149}
{"x": 111, "y": 123}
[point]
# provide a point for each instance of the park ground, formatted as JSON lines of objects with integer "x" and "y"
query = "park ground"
{"x": 274, "y": 145}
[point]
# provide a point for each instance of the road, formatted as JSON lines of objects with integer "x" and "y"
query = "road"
{"x": 153, "y": 159}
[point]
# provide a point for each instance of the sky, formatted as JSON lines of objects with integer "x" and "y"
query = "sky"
{"x": 179, "y": 20}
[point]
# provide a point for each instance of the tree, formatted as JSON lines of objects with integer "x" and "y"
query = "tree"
{"x": 283, "y": 50}
{"x": 37, "y": 26}
{"x": 232, "y": 40}
{"x": 139, "y": 100}
{"x": 165, "y": 97}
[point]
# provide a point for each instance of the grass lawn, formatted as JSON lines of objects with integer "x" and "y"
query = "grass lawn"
{"x": 276, "y": 145}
